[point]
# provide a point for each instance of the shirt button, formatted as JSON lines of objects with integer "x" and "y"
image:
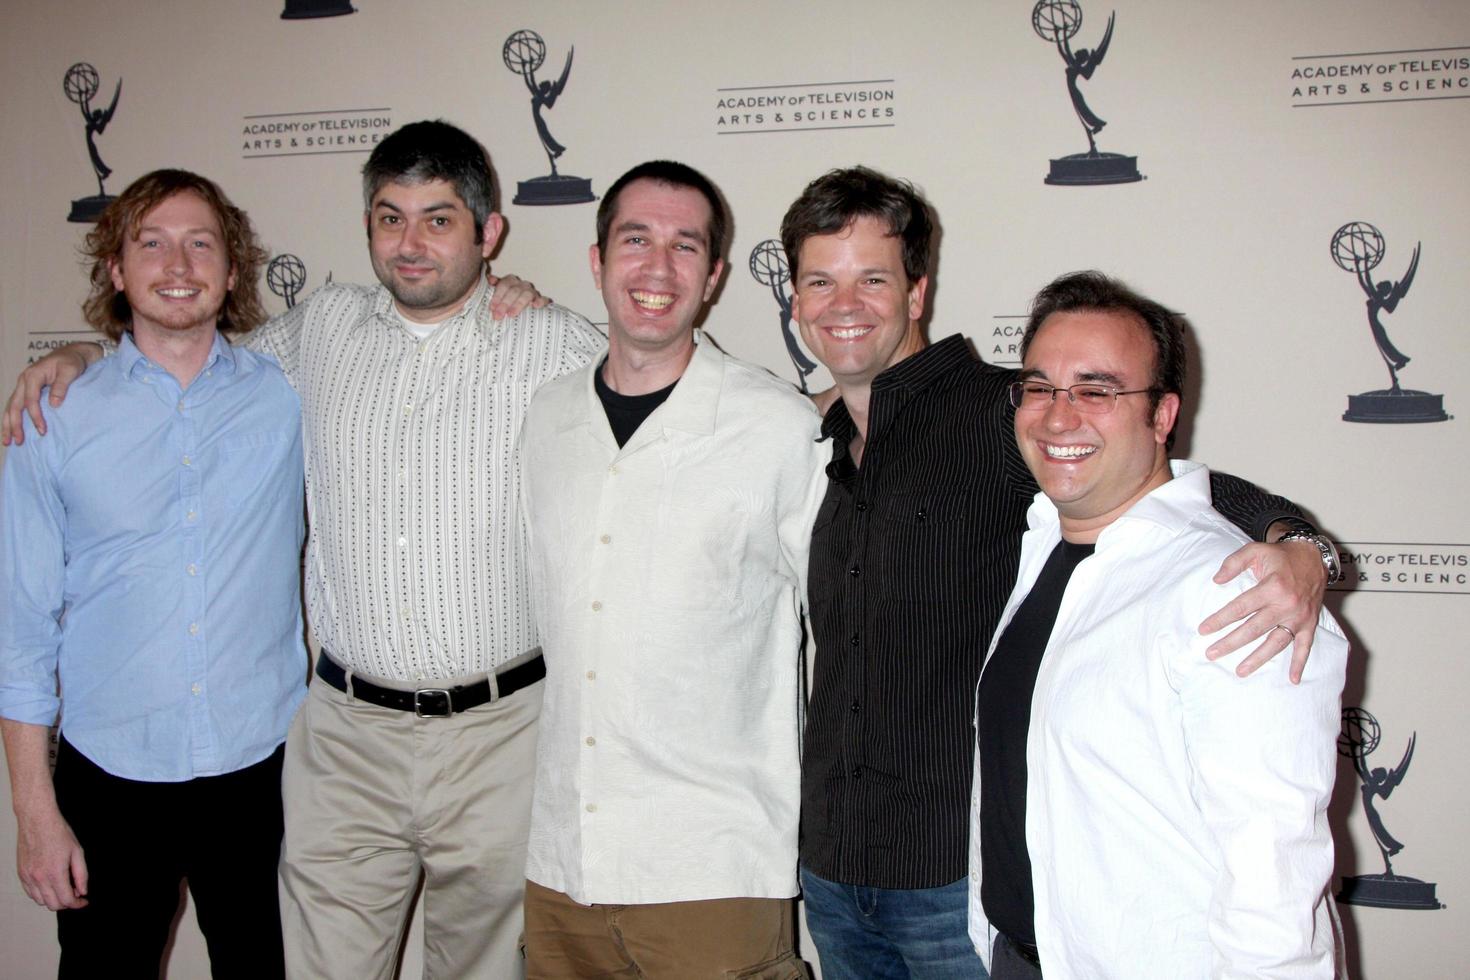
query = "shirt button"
{"x": 403, "y": 542}
{"x": 192, "y": 569}
{"x": 854, "y": 641}
{"x": 190, "y": 516}
{"x": 596, "y": 605}
{"x": 591, "y": 807}
{"x": 862, "y": 505}
{"x": 923, "y": 514}
{"x": 408, "y": 410}
{"x": 195, "y": 690}
{"x": 181, "y": 406}
{"x": 591, "y": 740}
{"x": 592, "y": 675}
{"x": 186, "y": 461}
{"x": 857, "y": 772}
{"x": 855, "y": 707}
{"x": 854, "y": 572}
{"x": 193, "y": 629}
{"x": 606, "y": 539}
{"x": 612, "y": 470}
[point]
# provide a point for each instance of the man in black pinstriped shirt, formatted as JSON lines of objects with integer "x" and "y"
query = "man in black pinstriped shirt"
{"x": 913, "y": 554}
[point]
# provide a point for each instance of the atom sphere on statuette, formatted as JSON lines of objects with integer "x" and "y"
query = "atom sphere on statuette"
{"x": 1056, "y": 20}
{"x": 1357, "y": 245}
{"x": 768, "y": 263}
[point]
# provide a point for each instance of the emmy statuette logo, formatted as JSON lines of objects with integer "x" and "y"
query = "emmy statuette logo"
{"x": 768, "y": 266}
{"x": 81, "y": 84}
{"x": 1360, "y": 735}
{"x": 311, "y": 9}
{"x": 1058, "y": 22}
{"x": 524, "y": 52}
{"x": 285, "y": 275}
{"x": 1358, "y": 247}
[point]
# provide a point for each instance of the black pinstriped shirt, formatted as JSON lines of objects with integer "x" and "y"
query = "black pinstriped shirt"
{"x": 913, "y": 556}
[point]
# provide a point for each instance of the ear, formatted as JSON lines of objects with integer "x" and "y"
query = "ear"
{"x": 114, "y": 269}
{"x": 494, "y": 228}
{"x": 1165, "y": 416}
{"x": 594, "y": 257}
{"x": 714, "y": 278}
{"x": 367, "y": 224}
{"x": 230, "y": 282}
{"x": 917, "y": 290}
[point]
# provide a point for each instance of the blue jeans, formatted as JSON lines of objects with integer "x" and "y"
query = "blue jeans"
{"x": 891, "y": 933}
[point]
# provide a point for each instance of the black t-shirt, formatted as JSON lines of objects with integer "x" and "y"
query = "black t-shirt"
{"x": 625, "y": 413}
{"x": 1004, "y": 709}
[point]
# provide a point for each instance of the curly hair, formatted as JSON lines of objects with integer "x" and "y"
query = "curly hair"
{"x": 107, "y": 308}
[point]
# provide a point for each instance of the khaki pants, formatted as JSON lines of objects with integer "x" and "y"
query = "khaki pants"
{"x": 374, "y": 796}
{"x": 719, "y": 939}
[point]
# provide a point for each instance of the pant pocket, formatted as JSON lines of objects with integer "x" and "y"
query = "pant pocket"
{"x": 786, "y": 967}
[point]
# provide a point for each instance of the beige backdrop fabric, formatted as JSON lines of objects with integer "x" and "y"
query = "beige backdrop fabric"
{"x": 1249, "y": 171}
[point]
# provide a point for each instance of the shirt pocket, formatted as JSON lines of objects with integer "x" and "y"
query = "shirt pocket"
{"x": 925, "y": 546}
{"x": 254, "y": 467}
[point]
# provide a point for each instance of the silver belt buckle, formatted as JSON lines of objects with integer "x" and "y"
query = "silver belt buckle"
{"x": 432, "y": 702}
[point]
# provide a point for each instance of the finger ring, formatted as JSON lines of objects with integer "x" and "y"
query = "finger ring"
{"x": 1289, "y": 631}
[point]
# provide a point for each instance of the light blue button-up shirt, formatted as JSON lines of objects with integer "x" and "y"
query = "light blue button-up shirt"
{"x": 150, "y": 550}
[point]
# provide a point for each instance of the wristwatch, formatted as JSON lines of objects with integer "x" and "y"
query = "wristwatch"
{"x": 1325, "y": 546}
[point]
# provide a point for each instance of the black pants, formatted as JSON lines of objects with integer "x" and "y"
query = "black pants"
{"x": 1010, "y": 962}
{"x": 142, "y": 840}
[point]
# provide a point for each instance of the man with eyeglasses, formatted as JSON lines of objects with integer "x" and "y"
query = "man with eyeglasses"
{"x": 1139, "y": 810}
{"x": 913, "y": 553}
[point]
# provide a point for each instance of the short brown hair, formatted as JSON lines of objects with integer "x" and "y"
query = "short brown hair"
{"x": 836, "y": 199}
{"x": 107, "y": 308}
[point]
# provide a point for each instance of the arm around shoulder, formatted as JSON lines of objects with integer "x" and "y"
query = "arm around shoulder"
{"x": 56, "y": 371}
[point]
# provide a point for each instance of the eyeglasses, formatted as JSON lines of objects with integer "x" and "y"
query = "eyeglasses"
{"x": 1092, "y": 399}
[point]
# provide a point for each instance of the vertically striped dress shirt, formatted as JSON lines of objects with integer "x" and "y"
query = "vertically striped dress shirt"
{"x": 913, "y": 556}
{"x": 416, "y": 561}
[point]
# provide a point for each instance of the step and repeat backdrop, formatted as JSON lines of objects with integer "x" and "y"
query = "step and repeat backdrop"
{"x": 1289, "y": 176}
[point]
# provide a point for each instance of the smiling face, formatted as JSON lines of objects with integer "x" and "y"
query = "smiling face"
{"x": 1094, "y": 467}
{"x": 175, "y": 268}
{"x": 656, "y": 275}
{"x": 421, "y": 238}
{"x": 859, "y": 313}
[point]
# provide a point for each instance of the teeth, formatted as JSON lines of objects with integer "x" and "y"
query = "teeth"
{"x": 653, "y": 301}
{"x": 848, "y": 333}
{"x": 1070, "y": 452}
{"x": 179, "y": 293}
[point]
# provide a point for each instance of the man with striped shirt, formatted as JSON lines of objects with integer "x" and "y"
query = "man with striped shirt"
{"x": 414, "y": 752}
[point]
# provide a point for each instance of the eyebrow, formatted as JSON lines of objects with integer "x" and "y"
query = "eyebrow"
{"x": 428, "y": 209}
{"x": 1084, "y": 377}
{"x": 159, "y": 229}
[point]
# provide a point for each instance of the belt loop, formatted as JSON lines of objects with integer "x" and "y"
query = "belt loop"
{"x": 347, "y": 678}
{"x": 494, "y": 685}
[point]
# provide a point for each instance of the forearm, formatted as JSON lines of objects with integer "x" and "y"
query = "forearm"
{"x": 1264, "y": 516}
{"x": 27, "y": 754}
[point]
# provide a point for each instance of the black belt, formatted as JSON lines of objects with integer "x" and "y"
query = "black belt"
{"x": 434, "y": 702}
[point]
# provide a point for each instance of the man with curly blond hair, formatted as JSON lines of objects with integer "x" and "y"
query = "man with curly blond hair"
{"x": 149, "y": 564}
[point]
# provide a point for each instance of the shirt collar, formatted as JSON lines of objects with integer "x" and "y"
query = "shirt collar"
{"x": 1170, "y": 507}
{"x": 383, "y": 304}
{"x": 133, "y": 362}
{"x": 692, "y": 406}
{"x": 901, "y": 382}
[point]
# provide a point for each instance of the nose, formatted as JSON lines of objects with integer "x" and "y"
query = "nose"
{"x": 1062, "y": 414}
{"x": 844, "y": 298}
{"x": 178, "y": 260}
{"x": 660, "y": 263}
{"x": 411, "y": 241}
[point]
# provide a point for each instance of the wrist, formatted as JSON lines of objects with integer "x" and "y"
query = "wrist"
{"x": 1326, "y": 551}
